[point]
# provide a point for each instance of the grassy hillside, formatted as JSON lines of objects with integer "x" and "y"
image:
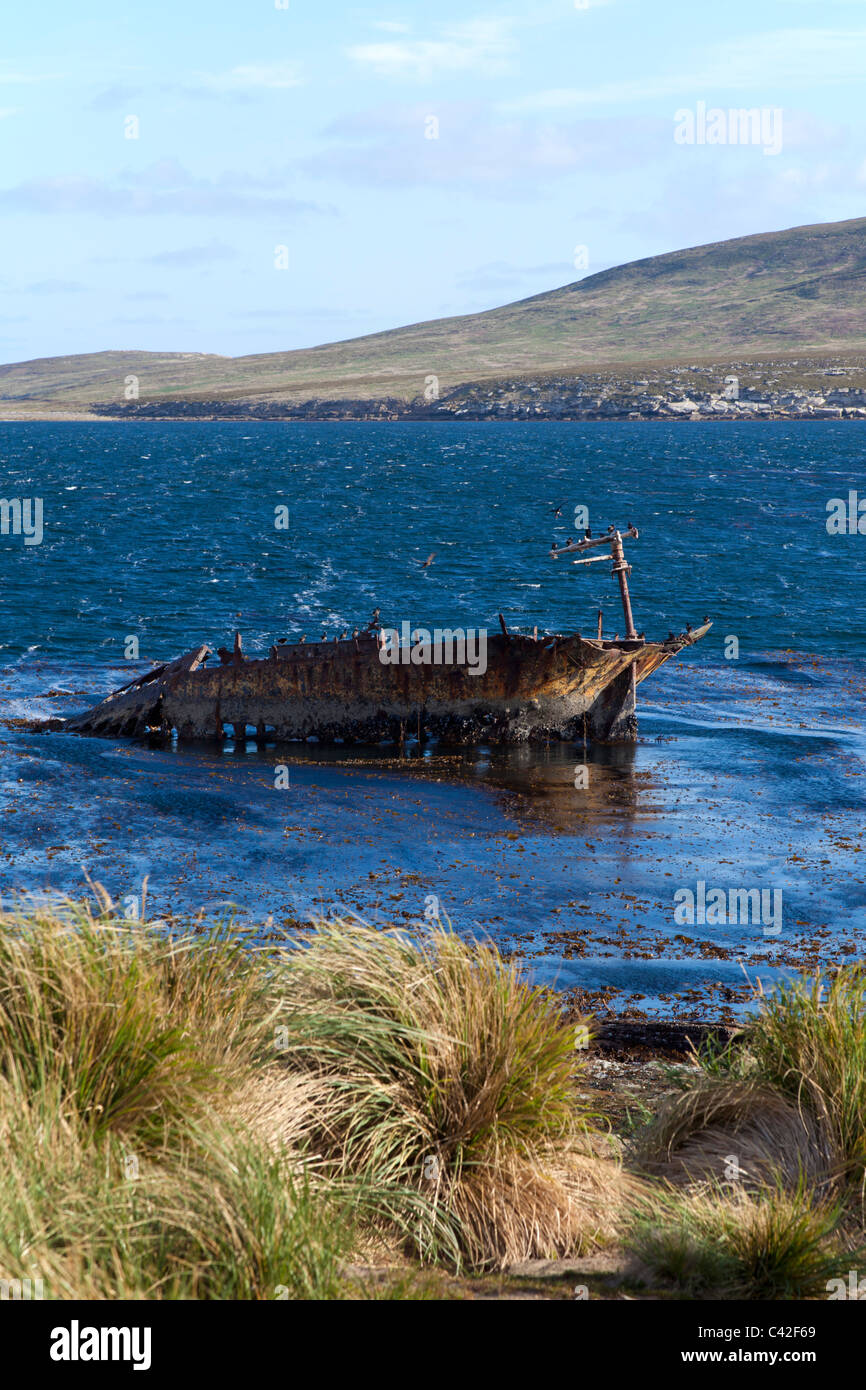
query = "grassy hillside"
{"x": 753, "y": 297}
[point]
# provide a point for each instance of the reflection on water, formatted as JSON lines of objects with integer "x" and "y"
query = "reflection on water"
{"x": 562, "y": 786}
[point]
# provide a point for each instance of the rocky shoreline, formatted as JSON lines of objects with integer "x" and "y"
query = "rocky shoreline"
{"x": 787, "y": 390}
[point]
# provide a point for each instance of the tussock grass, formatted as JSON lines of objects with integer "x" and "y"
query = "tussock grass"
{"x": 809, "y": 1043}
{"x": 217, "y": 1216}
{"x": 789, "y": 1094}
{"x": 731, "y": 1243}
{"x": 133, "y": 1026}
{"x": 164, "y": 1139}
{"x": 718, "y": 1124}
{"x": 447, "y": 1080}
{"x": 129, "y": 1170}
{"x": 183, "y": 1115}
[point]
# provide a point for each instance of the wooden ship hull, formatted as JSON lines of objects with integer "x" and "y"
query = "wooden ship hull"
{"x": 552, "y": 687}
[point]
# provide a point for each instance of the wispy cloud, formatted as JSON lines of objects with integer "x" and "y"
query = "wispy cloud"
{"x": 502, "y": 275}
{"x": 760, "y": 62}
{"x": 482, "y": 46}
{"x": 147, "y": 320}
{"x": 162, "y": 188}
{"x": 10, "y": 77}
{"x": 285, "y": 315}
{"x": 188, "y": 257}
{"x": 111, "y": 97}
{"x": 386, "y": 147}
{"x": 55, "y": 287}
{"x": 253, "y": 76}
{"x": 245, "y": 82}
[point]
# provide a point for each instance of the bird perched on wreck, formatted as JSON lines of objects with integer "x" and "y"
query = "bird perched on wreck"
{"x": 587, "y": 535}
{"x": 324, "y": 636}
{"x": 374, "y": 621}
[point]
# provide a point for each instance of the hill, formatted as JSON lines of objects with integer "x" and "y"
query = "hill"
{"x": 752, "y": 298}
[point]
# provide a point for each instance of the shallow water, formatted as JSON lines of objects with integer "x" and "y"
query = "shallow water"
{"x": 748, "y": 772}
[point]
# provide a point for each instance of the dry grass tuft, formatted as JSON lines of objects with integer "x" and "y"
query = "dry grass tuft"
{"x": 450, "y": 1080}
{"x": 788, "y": 1097}
{"x": 718, "y": 1126}
{"x": 186, "y": 1116}
{"x": 772, "y": 1243}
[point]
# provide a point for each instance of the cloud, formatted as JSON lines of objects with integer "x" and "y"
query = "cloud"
{"x": 147, "y": 294}
{"x": 192, "y": 256}
{"x": 161, "y": 188}
{"x": 7, "y": 111}
{"x": 241, "y": 83}
{"x": 112, "y": 97}
{"x": 295, "y": 313}
{"x": 387, "y": 147}
{"x": 252, "y": 76}
{"x": 11, "y": 77}
{"x": 150, "y": 319}
{"x": 761, "y": 62}
{"x": 717, "y": 202}
{"x": 484, "y": 47}
{"x": 55, "y": 287}
{"x": 502, "y": 275}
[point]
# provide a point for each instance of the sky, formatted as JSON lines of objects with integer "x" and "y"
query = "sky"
{"x": 206, "y": 176}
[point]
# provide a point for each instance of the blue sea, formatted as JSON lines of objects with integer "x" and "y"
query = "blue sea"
{"x": 749, "y": 769}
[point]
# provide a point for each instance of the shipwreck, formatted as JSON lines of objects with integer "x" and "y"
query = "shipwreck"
{"x": 358, "y": 689}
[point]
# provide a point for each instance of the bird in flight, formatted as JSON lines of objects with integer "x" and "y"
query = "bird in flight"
{"x": 557, "y": 511}
{"x": 428, "y": 562}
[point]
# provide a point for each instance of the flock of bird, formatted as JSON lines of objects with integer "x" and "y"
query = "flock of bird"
{"x": 343, "y": 636}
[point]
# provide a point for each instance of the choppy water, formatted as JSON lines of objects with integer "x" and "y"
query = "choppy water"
{"x": 748, "y": 773}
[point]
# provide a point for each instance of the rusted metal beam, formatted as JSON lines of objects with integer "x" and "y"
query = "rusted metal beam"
{"x": 622, "y": 569}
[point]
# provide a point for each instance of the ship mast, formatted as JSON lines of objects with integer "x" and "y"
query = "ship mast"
{"x": 621, "y": 567}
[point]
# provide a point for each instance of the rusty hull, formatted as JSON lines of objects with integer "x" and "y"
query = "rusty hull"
{"x": 555, "y": 687}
